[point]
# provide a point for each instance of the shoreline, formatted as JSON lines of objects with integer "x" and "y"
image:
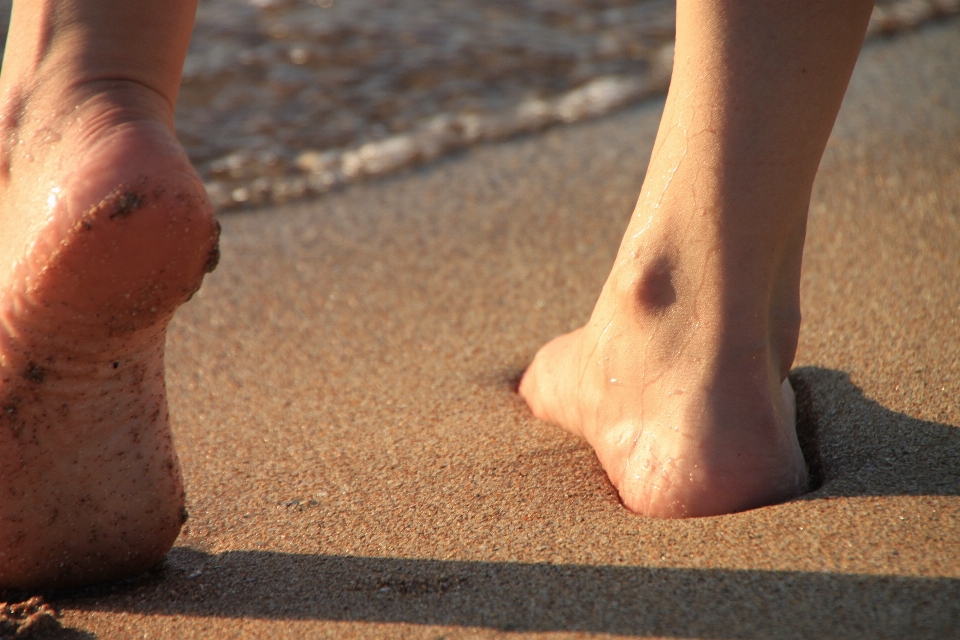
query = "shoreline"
{"x": 244, "y": 180}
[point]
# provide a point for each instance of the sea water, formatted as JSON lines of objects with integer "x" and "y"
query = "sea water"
{"x": 283, "y": 99}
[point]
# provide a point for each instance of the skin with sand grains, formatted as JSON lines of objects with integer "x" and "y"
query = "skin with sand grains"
{"x": 91, "y": 482}
{"x": 107, "y": 229}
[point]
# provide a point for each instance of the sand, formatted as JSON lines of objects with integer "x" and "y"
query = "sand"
{"x": 358, "y": 465}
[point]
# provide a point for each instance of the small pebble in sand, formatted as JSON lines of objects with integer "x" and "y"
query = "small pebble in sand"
{"x": 31, "y": 618}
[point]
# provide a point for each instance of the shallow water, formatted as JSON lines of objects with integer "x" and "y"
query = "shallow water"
{"x": 286, "y": 98}
{"x": 396, "y": 82}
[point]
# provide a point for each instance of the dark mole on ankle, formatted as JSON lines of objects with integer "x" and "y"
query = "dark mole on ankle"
{"x": 655, "y": 290}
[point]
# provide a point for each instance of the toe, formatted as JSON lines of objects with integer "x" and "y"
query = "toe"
{"x": 529, "y": 390}
{"x": 548, "y": 385}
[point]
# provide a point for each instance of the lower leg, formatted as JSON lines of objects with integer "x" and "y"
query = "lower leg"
{"x": 104, "y": 230}
{"x": 679, "y": 379}
{"x": 73, "y": 70}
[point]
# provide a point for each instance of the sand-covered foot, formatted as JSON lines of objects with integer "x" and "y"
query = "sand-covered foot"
{"x": 678, "y": 383}
{"x": 105, "y": 230}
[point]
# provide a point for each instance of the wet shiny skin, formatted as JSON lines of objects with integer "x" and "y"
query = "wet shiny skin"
{"x": 105, "y": 253}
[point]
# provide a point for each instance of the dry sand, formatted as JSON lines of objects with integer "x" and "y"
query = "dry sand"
{"x": 357, "y": 464}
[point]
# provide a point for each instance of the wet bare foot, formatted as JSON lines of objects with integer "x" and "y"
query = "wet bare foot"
{"x": 683, "y": 400}
{"x": 106, "y": 230}
{"x": 679, "y": 380}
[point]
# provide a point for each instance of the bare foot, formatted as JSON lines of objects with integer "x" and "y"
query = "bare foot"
{"x": 682, "y": 400}
{"x": 679, "y": 380}
{"x": 106, "y": 231}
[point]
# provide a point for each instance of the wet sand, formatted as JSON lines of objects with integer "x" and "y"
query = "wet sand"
{"x": 358, "y": 465}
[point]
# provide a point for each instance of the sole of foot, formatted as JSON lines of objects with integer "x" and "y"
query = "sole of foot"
{"x": 109, "y": 231}
{"x": 687, "y": 409}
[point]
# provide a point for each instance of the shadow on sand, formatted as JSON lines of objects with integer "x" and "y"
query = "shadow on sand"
{"x": 855, "y": 446}
{"x": 511, "y": 596}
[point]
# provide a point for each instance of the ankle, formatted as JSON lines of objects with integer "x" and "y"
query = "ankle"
{"x": 687, "y": 269}
{"x": 39, "y": 111}
{"x": 141, "y": 42}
